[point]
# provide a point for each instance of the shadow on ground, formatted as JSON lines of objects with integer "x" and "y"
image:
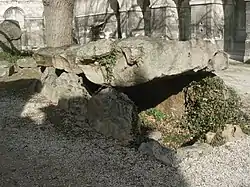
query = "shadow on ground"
{"x": 42, "y": 145}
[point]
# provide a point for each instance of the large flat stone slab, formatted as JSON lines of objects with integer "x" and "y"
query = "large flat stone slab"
{"x": 133, "y": 61}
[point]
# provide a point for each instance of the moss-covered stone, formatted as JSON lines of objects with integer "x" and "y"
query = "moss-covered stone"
{"x": 210, "y": 105}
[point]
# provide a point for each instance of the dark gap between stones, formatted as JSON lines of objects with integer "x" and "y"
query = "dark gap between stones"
{"x": 91, "y": 87}
{"x": 59, "y": 72}
{"x": 152, "y": 93}
{"x": 42, "y": 68}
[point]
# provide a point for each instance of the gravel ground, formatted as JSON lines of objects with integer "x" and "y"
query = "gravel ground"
{"x": 36, "y": 150}
{"x": 41, "y": 145}
{"x": 238, "y": 76}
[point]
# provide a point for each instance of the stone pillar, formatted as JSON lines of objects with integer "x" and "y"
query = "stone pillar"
{"x": 207, "y": 20}
{"x": 24, "y": 40}
{"x": 217, "y": 23}
{"x": 164, "y": 19}
{"x": 247, "y": 41}
{"x": 229, "y": 26}
{"x": 135, "y": 20}
{"x": 185, "y": 20}
{"x": 200, "y": 19}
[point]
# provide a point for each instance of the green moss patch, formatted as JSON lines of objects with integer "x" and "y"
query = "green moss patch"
{"x": 209, "y": 106}
{"x": 9, "y": 57}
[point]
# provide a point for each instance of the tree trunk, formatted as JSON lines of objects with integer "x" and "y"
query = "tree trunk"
{"x": 58, "y": 22}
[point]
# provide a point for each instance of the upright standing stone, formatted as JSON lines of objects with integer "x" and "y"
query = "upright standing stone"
{"x": 135, "y": 20}
{"x": 229, "y": 9}
{"x": 247, "y": 42}
{"x": 185, "y": 20}
{"x": 207, "y": 20}
{"x": 164, "y": 19}
{"x": 113, "y": 114}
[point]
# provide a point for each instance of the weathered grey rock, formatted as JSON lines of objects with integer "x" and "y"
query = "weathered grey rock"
{"x": 62, "y": 63}
{"x": 61, "y": 58}
{"x": 44, "y": 56}
{"x": 134, "y": 60}
{"x": 154, "y": 135}
{"x": 27, "y": 62}
{"x": 10, "y": 34}
{"x": 194, "y": 151}
{"x": 163, "y": 154}
{"x": 94, "y": 73}
{"x": 11, "y": 29}
{"x": 66, "y": 90}
{"x": 88, "y": 53}
{"x": 28, "y": 78}
{"x": 232, "y": 133}
{"x": 48, "y": 80}
{"x": 142, "y": 59}
{"x": 228, "y": 134}
{"x": 72, "y": 95}
{"x": 6, "y": 68}
{"x": 209, "y": 137}
{"x": 113, "y": 114}
{"x": 220, "y": 61}
{"x": 147, "y": 59}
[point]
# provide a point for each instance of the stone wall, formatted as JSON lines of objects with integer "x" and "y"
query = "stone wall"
{"x": 29, "y": 14}
{"x": 223, "y": 22}
{"x": 158, "y": 18}
{"x": 207, "y": 19}
{"x": 96, "y": 19}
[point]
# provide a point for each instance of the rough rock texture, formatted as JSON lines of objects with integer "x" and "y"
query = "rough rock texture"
{"x": 65, "y": 90}
{"x": 134, "y": 60}
{"x": 11, "y": 29}
{"x": 30, "y": 79}
{"x": 113, "y": 114}
{"x": 27, "y": 62}
{"x": 228, "y": 134}
{"x": 93, "y": 50}
{"x": 232, "y": 133}
{"x": 219, "y": 56}
{"x": 193, "y": 151}
{"x": 45, "y": 55}
{"x": 163, "y": 154}
{"x": 6, "y": 68}
{"x": 210, "y": 136}
{"x": 173, "y": 105}
{"x": 154, "y": 135}
{"x": 73, "y": 96}
{"x": 10, "y": 34}
{"x": 146, "y": 58}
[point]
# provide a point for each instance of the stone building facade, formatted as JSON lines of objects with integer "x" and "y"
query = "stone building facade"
{"x": 225, "y": 22}
{"x": 29, "y": 14}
